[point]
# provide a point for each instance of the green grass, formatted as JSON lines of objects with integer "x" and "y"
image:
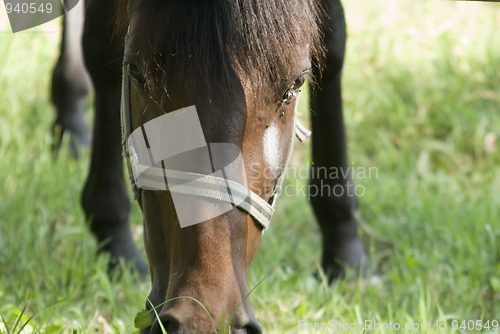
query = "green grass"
{"x": 422, "y": 104}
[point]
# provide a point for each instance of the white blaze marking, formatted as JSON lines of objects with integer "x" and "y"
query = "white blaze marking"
{"x": 272, "y": 149}
{"x": 272, "y": 152}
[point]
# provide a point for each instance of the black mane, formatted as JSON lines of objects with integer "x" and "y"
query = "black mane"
{"x": 212, "y": 38}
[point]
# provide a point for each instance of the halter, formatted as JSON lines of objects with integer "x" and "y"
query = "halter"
{"x": 145, "y": 173}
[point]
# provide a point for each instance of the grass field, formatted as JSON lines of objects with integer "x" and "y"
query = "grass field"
{"x": 422, "y": 105}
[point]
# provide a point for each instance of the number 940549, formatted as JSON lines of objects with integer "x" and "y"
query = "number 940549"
{"x": 477, "y": 325}
{"x": 28, "y": 7}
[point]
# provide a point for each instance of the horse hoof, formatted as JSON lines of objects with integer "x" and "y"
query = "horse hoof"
{"x": 345, "y": 254}
{"x": 79, "y": 133}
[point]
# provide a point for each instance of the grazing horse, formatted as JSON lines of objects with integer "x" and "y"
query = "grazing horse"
{"x": 237, "y": 66}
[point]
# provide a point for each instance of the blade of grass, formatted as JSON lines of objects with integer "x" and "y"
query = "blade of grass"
{"x": 5, "y": 324}
{"x": 20, "y": 315}
{"x": 226, "y": 328}
{"x": 163, "y": 330}
{"x": 222, "y": 321}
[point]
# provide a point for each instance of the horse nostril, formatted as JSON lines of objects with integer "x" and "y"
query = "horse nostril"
{"x": 253, "y": 327}
{"x": 170, "y": 323}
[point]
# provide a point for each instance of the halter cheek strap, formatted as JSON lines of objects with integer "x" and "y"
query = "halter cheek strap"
{"x": 149, "y": 173}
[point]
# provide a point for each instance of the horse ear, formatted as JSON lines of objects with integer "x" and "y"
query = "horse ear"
{"x": 69, "y": 4}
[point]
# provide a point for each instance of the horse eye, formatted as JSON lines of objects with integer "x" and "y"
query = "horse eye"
{"x": 135, "y": 74}
{"x": 294, "y": 90}
{"x": 299, "y": 82}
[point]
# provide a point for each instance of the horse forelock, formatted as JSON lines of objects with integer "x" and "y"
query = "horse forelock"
{"x": 207, "y": 41}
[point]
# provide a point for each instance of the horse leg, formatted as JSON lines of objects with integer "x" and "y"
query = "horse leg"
{"x": 105, "y": 199}
{"x": 71, "y": 85}
{"x": 333, "y": 198}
